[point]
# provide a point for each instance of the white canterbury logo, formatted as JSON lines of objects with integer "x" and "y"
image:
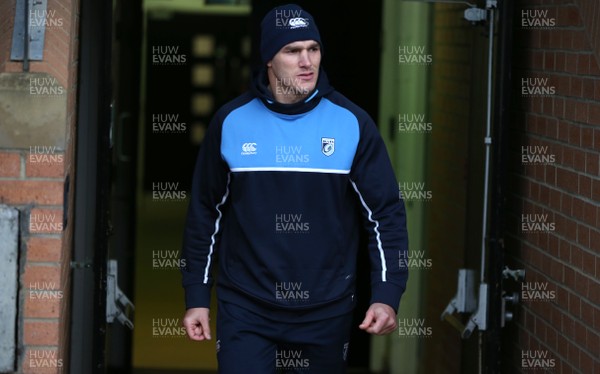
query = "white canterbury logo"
{"x": 248, "y": 149}
{"x": 298, "y": 22}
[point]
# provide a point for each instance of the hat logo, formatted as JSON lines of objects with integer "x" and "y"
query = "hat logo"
{"x": 298, "y": 22}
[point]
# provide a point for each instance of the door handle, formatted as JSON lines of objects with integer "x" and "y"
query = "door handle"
{"x": 118, "y": 304}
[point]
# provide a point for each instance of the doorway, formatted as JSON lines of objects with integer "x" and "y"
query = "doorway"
{"x": 193, "y": 61}
{"x": 174, "y": 64}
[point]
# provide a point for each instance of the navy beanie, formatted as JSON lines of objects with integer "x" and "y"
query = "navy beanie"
{"x": 283, "y": 25}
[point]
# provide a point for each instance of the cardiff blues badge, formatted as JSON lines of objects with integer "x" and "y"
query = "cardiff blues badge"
{"x": 327, "y": 146}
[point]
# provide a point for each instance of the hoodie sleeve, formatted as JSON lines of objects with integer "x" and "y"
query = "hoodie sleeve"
{"x": 384, "y": 216}
{"x": 210, "y": 189}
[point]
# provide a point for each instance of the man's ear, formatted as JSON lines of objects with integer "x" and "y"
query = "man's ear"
{"x": 270, "y": 63}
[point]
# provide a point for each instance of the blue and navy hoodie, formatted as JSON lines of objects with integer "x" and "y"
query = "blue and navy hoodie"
{"x": 279, "y": 195}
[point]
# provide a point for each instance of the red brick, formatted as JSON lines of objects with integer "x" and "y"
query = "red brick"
{"x": 577, "y": 208}
{"x": 589, "y": 214}
{"x": 594, "y": 67}
{"x": 586, "y": 363}
{"x": 45, "y": 165}
{"x": 563, "y": 126}
{"x": 569, "y": 277}
{"x": 26, "y": 192}
{"x": 596, "y": 190}
{"x": 551, "y": 179}
{"x": 536, "y": 60}
{"x": 580, "y": 332}
{"x": 594, "y": 291}
{"x": 549, "y": 60}
{"x": 576, "y": 87}
{"x": 589, "y": 263}
{"x": 42, "y": 304}
{"x": 560, "y": 60}
{"x": 594, "y": 114}
{"x": 583, "y": 64}
{"x": 567, "y": 157}
{"x": 563, "y": 86}
{"x": 568, "y": 16}
{"x": 552, "y": 241}
{"x": 567, "y": 43}
{"x": 556, "y": 270}
{"x": 571, "y": 63}
{"x": 588, "y": 88}
{"x": 544, "y": 193}
{"x": 592, "y": 340}
{"x": 552, "y": 123}
{"x": 10, "y": 164}
{"x": 566, "y": 179}
{"x": 595, "y": 238}
{"x": 544, "y": 39}
{"x": 581, "y": 284}
{"x": 579, "y": 160}
{"x": 40, "y": 332}
{"x": 583, "y": 236}
{"x": 41, "y": 275}
{"x": 576, "y": 257}
{"x": 585, "y": 186}
{"x": 555, "y": 40}
{"x": 42, "y": 361}
{"x": 573, "y": 353}
{"x": 597, "y": 90}
{"x": 578, "y": 40}
{"x": 46, "y": 221}
{"x": 566, "y": 204}
{"x": 587, "y": 137}
{"x": 548, "y": 110}
{"x": 581, "y": 112}
{"x": 587, "y": 313}
{"x": 556, "y": 318}
{"x": 534, "y": 191}
{"x": 44, "y": 249}
{"x": 570, "y": 113}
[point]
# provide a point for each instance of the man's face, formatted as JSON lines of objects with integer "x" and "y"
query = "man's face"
{"x": 294, "y": 70}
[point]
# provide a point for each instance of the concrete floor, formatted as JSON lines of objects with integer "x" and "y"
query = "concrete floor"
{"x": 159, "y": 297}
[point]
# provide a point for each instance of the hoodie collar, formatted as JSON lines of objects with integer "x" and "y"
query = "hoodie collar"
{"x": 260, "y": 87}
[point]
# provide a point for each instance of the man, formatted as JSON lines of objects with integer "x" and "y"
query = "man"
{"x": 287, "y": 176}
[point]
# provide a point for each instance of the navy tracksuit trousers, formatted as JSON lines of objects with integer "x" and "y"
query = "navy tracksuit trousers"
{"x": 254, "y": 344}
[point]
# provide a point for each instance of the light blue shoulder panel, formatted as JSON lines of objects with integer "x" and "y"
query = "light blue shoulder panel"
{"x": 323, "y": 140}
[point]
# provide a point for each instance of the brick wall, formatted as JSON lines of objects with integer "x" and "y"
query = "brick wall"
{"x": 554, "y": 194}
{"x": 590, "y": 15}
{"x": 7, "y": 9}
{"x": 33, "y": 178}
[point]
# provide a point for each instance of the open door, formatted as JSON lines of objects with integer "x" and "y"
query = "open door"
{"x": 109, "y": 55}
{"x": 92, "y": 185}
{"x": 125, "y": 73}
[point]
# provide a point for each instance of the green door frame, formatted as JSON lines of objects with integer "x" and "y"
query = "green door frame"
{"x": 404, "y": 91}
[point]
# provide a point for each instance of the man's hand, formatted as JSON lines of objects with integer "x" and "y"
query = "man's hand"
{"x": 379, "y": 320}
{"x": 196, "y": 323}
